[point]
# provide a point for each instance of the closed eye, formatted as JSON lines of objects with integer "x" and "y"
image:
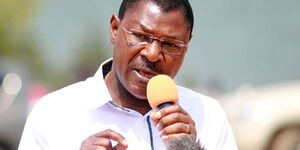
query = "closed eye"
{"x": 141, "y": 36}
{"x": 171, "y": 45}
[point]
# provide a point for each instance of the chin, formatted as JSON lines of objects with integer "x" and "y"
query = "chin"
{"x": 138, "y": 93}
{"x": 141, "y": 97}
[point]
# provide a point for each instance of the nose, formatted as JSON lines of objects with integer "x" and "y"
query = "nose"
{"x": 152, "y": 51}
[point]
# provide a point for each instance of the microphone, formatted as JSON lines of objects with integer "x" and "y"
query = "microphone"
{"x": 184, "y": 143}
{"x": 161, "y": 92}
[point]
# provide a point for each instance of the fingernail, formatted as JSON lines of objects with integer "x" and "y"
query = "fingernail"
{"x": 158, "y": 115}
{"x": 158, "y": 126}
{"x": 125, "y": 142}
{"x": 152, "y": 114}
{"x": 164, "y": 137}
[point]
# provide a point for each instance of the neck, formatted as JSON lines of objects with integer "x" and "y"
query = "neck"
{"x": 122, "y": 97}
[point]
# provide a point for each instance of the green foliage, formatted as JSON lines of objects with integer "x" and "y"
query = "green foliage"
{"x": 18, "y": 43}
{"x": 16, "y": 40}
{"x": 89, "y": 54}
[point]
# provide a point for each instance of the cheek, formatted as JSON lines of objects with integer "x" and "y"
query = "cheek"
{"x": 122, "y": 51}
{"x": 123, "y": 57}
{"x": 173, "y": 64}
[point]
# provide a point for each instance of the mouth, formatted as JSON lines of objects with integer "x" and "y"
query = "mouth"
{"x": 146, "y": 73}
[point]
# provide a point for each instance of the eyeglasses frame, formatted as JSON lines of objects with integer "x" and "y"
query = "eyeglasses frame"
{"x": 152, "y": 38}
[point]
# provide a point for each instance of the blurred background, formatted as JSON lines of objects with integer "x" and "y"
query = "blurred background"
{"x": 244, "y": 53}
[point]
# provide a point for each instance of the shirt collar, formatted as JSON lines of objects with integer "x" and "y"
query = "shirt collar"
{"x": 98, "y": 91}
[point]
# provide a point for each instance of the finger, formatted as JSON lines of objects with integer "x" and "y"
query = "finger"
{"x": 93, "y": 147}
{"x": 94, "y": 142}
{"x": 173, "y": 118}
{"x": 100, "y": 148}
{"x": 165, "y": 111}
{"x": 171, "y": 109}
{"x": 178, "y": 128}
{"x": 110, "y": 134}
{"x": 120, "y": 147}
{"x": 167, "y": 138}
{"x": 154, "y": 117}
{"x": 103, "y": 142}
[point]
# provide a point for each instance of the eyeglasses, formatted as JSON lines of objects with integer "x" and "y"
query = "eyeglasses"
{"x": 168, "y": 45}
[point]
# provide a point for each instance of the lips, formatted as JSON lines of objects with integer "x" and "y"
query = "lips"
{"x": 143, "y": 70}
{"x": 146, "y": 73}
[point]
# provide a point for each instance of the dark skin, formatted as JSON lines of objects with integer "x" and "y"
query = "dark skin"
{"x": 134, "y": 65}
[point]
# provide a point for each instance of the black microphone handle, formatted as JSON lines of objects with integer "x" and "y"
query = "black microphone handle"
{"x": 165, "y": 104}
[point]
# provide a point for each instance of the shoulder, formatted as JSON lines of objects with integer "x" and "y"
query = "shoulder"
{"x": 212, "y": 126}
{"x": 191, "y": 99}
{"x": 48, "y": 117}
{"x": 68, "y": 98}
{"x": 63, "y": 95}
{"x": 205, "y": 110}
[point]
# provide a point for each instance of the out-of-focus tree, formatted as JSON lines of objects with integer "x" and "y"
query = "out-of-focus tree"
{"x": 91, "y": 52}
{"x": 17, "y": 42}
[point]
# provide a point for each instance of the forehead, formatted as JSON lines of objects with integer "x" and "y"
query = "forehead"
{"x": 149, "y": 15}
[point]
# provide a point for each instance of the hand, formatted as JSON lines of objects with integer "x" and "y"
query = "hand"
{"x": 172, "y": 122}
{"x": 102, "y": 141}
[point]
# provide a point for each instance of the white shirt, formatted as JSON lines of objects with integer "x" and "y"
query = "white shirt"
{"x": 63, "y": 119}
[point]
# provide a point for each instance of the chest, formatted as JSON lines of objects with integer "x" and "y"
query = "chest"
{"x": 135, "y": 128}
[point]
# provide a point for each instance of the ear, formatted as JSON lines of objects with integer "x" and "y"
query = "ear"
{"x": 191, "y": 36}
{"x": 114, "y": 26}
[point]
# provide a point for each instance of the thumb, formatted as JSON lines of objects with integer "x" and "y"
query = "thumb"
{"x": 155, "y": 117}
{"x": 122, "y": 145}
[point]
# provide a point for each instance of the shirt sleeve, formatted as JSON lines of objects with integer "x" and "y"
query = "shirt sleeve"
{"x": 215, "y": 131}
{"x": 226, "y": 139}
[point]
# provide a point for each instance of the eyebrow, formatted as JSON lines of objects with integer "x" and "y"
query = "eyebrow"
{"x": 145, "y": 29}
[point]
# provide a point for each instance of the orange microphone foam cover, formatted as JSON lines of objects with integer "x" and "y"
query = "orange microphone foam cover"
{"x": 161, "y": 89}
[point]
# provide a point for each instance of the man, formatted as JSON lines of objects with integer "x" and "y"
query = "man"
{"x": 111, "y": 111}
